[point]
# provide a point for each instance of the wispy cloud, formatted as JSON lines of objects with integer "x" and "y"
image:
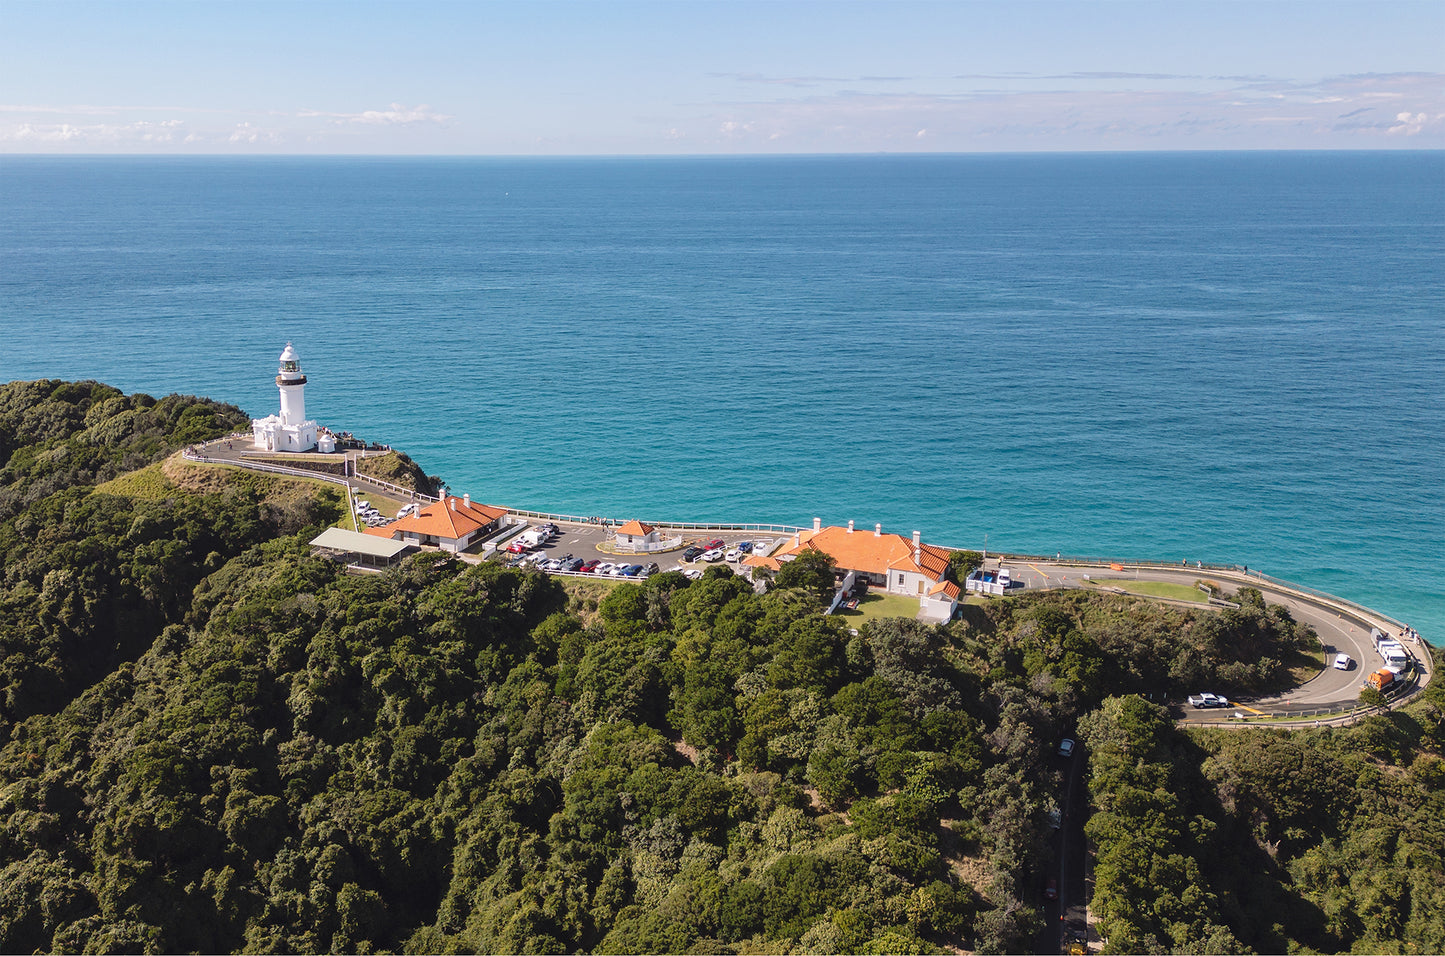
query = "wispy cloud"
{"x": 118, "y": 127}
{"x": 1332, "y": 112}
{"x": 396, "y": 115}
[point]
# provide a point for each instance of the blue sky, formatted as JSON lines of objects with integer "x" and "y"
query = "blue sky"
{"x": 680, "y": 77}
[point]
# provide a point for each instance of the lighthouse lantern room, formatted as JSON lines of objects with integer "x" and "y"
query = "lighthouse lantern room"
{"x": 288, "y": 431}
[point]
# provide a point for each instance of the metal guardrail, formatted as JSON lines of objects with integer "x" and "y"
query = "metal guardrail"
{"x": 605, "y": 522}
{"x": 399, "y": 489}
{"x": 306, "y": 472}
{"x": 190, "y": 454}
{"x": 1201, "y": 566}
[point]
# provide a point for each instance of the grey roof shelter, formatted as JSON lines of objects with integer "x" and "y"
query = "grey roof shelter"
{"x": 366, "y": 549}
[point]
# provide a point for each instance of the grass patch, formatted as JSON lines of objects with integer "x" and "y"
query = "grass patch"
{"x": 147, "y": 484}
{"x": 1156, "y": 589}
{"x": 1305, "y": 666}
{"x": 878, "y": 606}
{"x": 584, "y": 594}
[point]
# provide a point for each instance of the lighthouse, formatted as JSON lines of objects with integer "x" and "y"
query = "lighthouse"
{"x": 292, "y": 382}
{"x": 288, "y": 431}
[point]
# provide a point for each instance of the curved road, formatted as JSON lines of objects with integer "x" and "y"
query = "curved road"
{"x": 1340, "y": 630}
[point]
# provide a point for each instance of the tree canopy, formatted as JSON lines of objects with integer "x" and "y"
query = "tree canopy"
{"x": 214, "y": 740}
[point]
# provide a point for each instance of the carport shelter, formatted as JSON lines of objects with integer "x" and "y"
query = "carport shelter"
{"x": 364, "y": 549}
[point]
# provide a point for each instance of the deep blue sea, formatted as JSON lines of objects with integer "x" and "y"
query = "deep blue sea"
{"x": 1232, "y": 357}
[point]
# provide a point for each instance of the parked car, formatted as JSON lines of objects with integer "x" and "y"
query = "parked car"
{"x": 1208, "y": 700}
{"x": 604, "y": 567}
{"x": 1066, "y": 747}
{"x": 733, "y": 554}
{"x": 746, "y": 547}
{"x": 650, "y": 569}
{"x": 589, "y": 566}
{"x": 630, "y": 570}
{"x": 715, "y": 543}
{"x": 692, "y": 574}
{"x": 573, "y": 565}
{"x": 714, "y": 555}
{"x": 692, "y": 552}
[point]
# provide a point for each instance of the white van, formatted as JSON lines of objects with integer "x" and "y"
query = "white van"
{"x": 1342, "y": 662}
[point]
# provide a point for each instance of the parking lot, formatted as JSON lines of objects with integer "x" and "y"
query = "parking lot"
{"x": 584, "y": 541}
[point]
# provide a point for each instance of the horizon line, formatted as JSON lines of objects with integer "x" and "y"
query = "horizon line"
{"x": 750, "y": 155}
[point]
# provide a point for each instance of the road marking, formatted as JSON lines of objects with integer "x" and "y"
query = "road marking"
{"x": 1250, "y": 709}
{"x": 1040, "y": 573}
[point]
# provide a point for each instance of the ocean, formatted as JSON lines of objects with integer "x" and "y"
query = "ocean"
{"x": 1222, "y": 357}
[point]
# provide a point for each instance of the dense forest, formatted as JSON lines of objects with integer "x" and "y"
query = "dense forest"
{"x": 213, "y": 740}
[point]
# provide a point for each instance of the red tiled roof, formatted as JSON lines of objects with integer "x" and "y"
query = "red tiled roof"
{"x": 451, "y": 518}
{"x": 947, "y": 588}
{"x": 635, "y": 527}
{"x": 874, "y": 553}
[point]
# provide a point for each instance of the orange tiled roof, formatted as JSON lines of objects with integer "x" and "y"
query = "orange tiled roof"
{"x": 932, "y": 561}
{"x": 449, "y": 518}
{"x": 635, "y": 527}
{"x": 874, "y": 553}
{"x": 945, "y": 587}
{"x": 760, "y": 561}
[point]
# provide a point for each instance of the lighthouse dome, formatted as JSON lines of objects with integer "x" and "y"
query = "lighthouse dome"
{"x": 290, "y": 361}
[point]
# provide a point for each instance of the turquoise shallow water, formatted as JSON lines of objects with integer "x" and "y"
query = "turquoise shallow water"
{"x": 1219, "y": 357}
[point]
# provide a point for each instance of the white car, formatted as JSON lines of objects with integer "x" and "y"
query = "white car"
{"x": 715, "y": 555}
{"x": 1208, "y": 700}
{"x": 733, "y": 554}
{"x": 606, "y": 567}
{"x": 1342, "y": 662}
{"x": 692, "y": 574}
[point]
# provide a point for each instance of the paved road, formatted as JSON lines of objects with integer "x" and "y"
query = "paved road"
{"x": 1338, "y": 631}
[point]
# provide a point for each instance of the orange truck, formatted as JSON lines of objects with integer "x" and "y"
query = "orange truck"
{"x": 1380, "y": 680}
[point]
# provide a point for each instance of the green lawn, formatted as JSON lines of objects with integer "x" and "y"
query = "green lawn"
{"x": 876, "y": 606}
{"x": 1158, "y": 589}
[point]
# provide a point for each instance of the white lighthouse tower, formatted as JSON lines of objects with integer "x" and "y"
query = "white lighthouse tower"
{"x": 289, "y": 431}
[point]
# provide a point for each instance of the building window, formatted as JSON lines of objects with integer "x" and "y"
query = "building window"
{"x": 900, "y": 580}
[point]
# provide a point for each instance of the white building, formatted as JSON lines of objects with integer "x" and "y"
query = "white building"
{"x": 288, "y": 431}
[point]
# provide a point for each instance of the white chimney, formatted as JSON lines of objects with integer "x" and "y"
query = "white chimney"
{"x": 917, "y": 549}
{"x": 878, "y": 530}
{"x": 817, "y": 524}
{"x": 850, "y": 525}
{"x": 466, "y": 500}
{"x": 453, "y": 503}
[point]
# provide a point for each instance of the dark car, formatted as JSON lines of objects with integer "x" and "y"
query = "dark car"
{"x": 651, "y": 569}
{"x": 746, "y": 547}
{"x": 574, "y": 565}
{"x": 692, "y": 552}
{"x": 632, "y": 570}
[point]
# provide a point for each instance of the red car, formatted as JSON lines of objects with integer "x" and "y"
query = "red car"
{"x": 587, "y": 566}
{"x": 714, "y": 543}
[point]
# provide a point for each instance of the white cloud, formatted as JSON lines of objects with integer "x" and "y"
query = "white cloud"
{"x": 1408, "y": 124}
{"x": 396, "y": 115}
